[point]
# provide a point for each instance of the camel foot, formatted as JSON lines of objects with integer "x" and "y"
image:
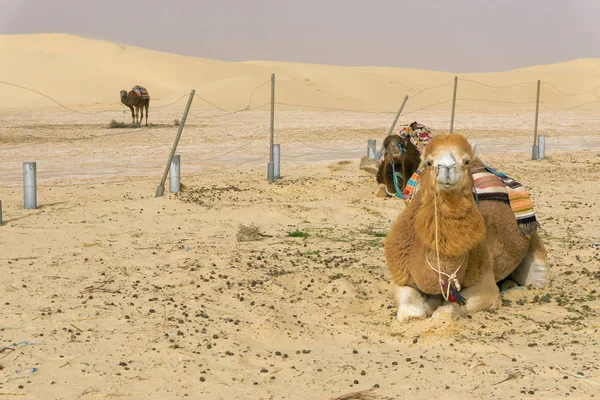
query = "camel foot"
{"x": 447, "y": 312}
{"x": 409, "y": 313}
{"x": 413, "y": 304}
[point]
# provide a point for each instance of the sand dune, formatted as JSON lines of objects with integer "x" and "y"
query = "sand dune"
{"x": 80, "y": 71}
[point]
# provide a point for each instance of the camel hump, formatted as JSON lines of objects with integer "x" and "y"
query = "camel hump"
{"x": 141, "y": 91}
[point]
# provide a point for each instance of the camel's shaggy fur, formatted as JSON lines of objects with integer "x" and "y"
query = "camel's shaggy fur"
{"x": 485, "y": 238}
{"x": 131, "y": 100}
{"x": 401, "y": 152}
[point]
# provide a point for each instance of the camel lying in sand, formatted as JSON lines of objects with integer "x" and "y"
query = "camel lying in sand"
{"x": 139, "y": 98}
{"x": 399, "y": 161}
{"x": 401, "y": 155}
{"x": 445, "y": 251}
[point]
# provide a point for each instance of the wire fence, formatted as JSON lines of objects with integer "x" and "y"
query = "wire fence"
{"x": 499, "y": 117}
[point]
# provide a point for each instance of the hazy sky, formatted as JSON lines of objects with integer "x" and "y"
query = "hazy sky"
{"x": 447, "y": 35}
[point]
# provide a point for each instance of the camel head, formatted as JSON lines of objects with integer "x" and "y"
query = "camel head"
{"x": 395, "y": 148}
{"x": 124, "y": 96}
{"x": 447, "y": 160}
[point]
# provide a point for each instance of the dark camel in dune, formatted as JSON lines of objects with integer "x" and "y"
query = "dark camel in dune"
{"x": 139, "y": 99}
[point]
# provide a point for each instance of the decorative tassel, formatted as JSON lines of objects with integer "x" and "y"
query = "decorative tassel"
{"x": 455, "y": 297}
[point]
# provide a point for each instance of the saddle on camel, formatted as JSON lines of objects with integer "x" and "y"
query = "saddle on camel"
{"x": 465, "y": 228}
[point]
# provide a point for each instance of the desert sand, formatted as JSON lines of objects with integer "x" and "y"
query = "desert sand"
{"x": 109, "y": 292}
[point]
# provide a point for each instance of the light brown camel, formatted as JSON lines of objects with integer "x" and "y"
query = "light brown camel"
{"x": 139, "y": 98}
{"x": 445, "y": 252}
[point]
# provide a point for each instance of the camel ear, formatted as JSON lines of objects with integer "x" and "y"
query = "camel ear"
{"x": 475, "y": 149}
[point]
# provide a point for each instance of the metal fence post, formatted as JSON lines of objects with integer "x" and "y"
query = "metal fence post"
{"x": 534, "y": 149}
{"x": 160, "y": 190}
{"x": 378, "y": 155}
{"x": 271, "y": 166}
{"x": 397, "y": 115}
{"x": 453, "y": 105}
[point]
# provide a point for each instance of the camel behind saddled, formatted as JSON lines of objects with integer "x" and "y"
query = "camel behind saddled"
{"x": 445, "y": 247}
{"x": 399, "y": 161}
{"x": 139, "y": 98}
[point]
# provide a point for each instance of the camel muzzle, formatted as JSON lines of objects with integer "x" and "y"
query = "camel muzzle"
{"x": 446, "y": 172}
{"x": 395, "y": 151}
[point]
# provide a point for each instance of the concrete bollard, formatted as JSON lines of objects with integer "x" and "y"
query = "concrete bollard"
{"x": 371, "y": 149}
{"x": 271, "y": 172}
{"x": 175, "y": 174}
{"x": 29, "y": 185}
{"x": 541, "y": 147}
{"x": 534, "y": 152}
{"x": 276, "y": 161}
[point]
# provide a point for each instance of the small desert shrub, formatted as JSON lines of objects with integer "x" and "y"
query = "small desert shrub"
{"x": 249, "y": 233}
{"x": 298, "y": 234}
{"x": 176, "y": 122}
{"x": 339, "y": 275}
{"x": 115, "y": 124}
{"x": 339, "y": 165}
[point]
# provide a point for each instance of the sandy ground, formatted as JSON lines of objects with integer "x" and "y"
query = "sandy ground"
{"x": 110, "y": 292}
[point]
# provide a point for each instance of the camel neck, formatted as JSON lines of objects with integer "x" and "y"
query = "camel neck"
{"x": 460, "y": 225}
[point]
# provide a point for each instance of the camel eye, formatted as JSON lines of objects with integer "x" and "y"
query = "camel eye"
{"x": 467, "y": 162}
{"x": 429, "y": 163}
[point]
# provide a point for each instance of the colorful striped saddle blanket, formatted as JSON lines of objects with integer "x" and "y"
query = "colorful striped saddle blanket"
{"x": 494, "y": 186}
{"x": 141, "y": 91}
{"x": 418, "y": 134}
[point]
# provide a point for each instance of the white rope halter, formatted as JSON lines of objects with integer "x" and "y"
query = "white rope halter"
{"x": 452, "y": 278}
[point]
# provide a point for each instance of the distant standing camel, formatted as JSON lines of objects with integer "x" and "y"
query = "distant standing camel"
{"x": 139, "y": 98}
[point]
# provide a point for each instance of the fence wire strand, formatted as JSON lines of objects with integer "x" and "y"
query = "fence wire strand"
{"x": 570, "y": 94}
{"x": 224, "y": 153}
{"x": 494, "y": 86}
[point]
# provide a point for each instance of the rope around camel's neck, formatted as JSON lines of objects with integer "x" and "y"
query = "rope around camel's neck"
{"x": 445, "y": 280}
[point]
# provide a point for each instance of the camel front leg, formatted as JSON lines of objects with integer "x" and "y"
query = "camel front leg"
{"x": 413, "y": 304}
{"x": 147, "y": 107}
{"x": 138, "y": 119}
{"x": 132, "y": 115}
{"x": 482, "y": 295}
